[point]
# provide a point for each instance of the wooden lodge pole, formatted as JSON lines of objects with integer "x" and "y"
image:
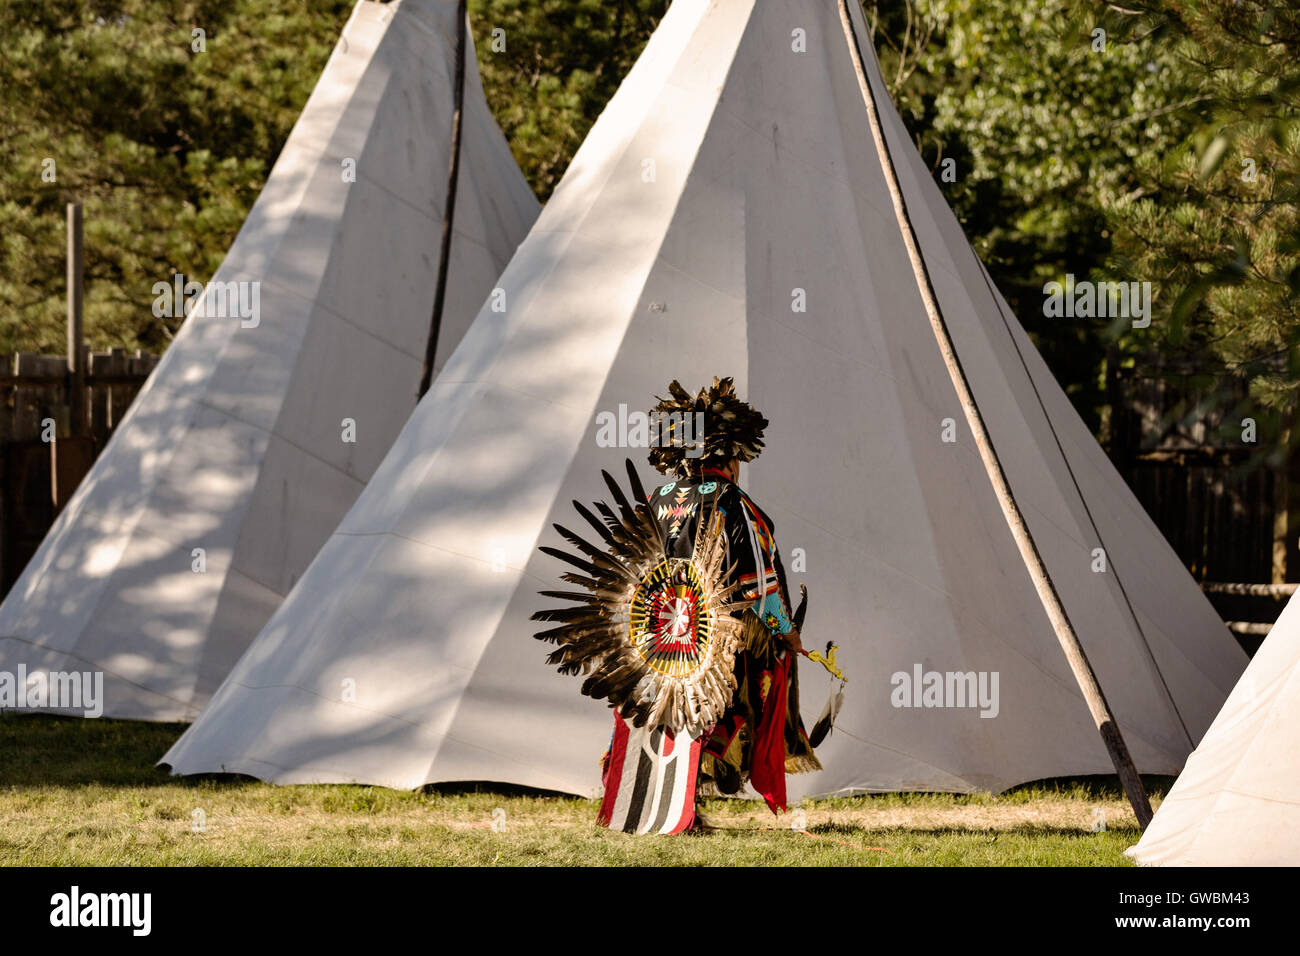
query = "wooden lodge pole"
{"x": 449, "y": 203}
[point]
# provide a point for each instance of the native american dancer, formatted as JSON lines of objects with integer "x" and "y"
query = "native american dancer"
{"x": 685, "y": 625}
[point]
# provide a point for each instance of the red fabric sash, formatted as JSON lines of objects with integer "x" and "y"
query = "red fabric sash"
{"x": 767, "y": 768}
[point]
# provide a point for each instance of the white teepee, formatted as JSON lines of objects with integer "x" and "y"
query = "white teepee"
{"x": 1237, "y": 802}
{"x": 728, "y": 216}
{"x": 236, "y": 445}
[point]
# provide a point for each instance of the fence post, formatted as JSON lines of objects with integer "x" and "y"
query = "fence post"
{"x": 72, "y": 456}
{"x": 76, "y": 330}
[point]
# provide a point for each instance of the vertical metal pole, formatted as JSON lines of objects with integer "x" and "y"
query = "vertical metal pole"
{"x": 453, "y": 177}
{"x": 1051, "y": 600}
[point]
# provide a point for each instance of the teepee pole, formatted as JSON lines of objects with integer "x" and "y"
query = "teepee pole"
{"x": 449, "y": 204}
{"x": 1065, "y": 633}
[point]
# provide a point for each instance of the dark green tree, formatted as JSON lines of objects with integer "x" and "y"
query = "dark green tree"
{"x": 1215, "y": 221}
{"x": 1040, "y": 121}
{"x": 562, "y": 61}
{"x": 165, "y": 146}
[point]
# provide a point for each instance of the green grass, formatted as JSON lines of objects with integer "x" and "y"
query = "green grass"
{"x": 86, "y": 792}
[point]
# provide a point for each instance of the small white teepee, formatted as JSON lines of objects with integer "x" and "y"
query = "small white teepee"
{"x": 233, "y": 465}
{"x": 728, "y": 215}
{"x": 1237, "y": 802}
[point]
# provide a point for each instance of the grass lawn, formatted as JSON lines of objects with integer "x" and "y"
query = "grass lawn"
{"x": 85, "y": 793}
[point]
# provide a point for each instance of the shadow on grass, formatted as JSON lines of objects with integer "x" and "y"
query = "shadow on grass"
{"x": 38, "y": 750}
{"x": 1028, "y": 829}
{"x": 44, "y": 750}
{"x": 465, "y": 787}
{"x": 1090, "y": 788}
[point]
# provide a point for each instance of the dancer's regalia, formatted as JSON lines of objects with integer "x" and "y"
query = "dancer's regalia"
{"x": 683, "y": 625}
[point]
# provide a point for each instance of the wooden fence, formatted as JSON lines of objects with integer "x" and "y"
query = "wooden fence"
{"x": 1229, "y": 514}
{"x": 1213, "y": 508}
{"x": 36, "y": 474}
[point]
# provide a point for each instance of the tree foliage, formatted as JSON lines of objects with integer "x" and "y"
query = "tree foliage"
{"x": 563, "y": 60}
{"x": 1041, "y": 122}
{"x": 1119, "y": 161}
{"x": 1215, "y": 221}
{"x": 166, "y": 147}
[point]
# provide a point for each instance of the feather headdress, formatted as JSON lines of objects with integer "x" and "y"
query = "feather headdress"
{"x": 732, "y": 429}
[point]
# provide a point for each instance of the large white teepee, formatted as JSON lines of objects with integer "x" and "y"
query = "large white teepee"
{"x": 728, "y": 216}
{"x": 1237, "y": 802}
{"x": 236, "y": 444}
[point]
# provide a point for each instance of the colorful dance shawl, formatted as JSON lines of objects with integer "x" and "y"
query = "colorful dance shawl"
{"x": 678, "y": 627}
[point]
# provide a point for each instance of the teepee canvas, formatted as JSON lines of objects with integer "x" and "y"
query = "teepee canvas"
{"x": 1237, "y": 802}
{"x": 260, "y": 426}
{"x": 728, "y": 216}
